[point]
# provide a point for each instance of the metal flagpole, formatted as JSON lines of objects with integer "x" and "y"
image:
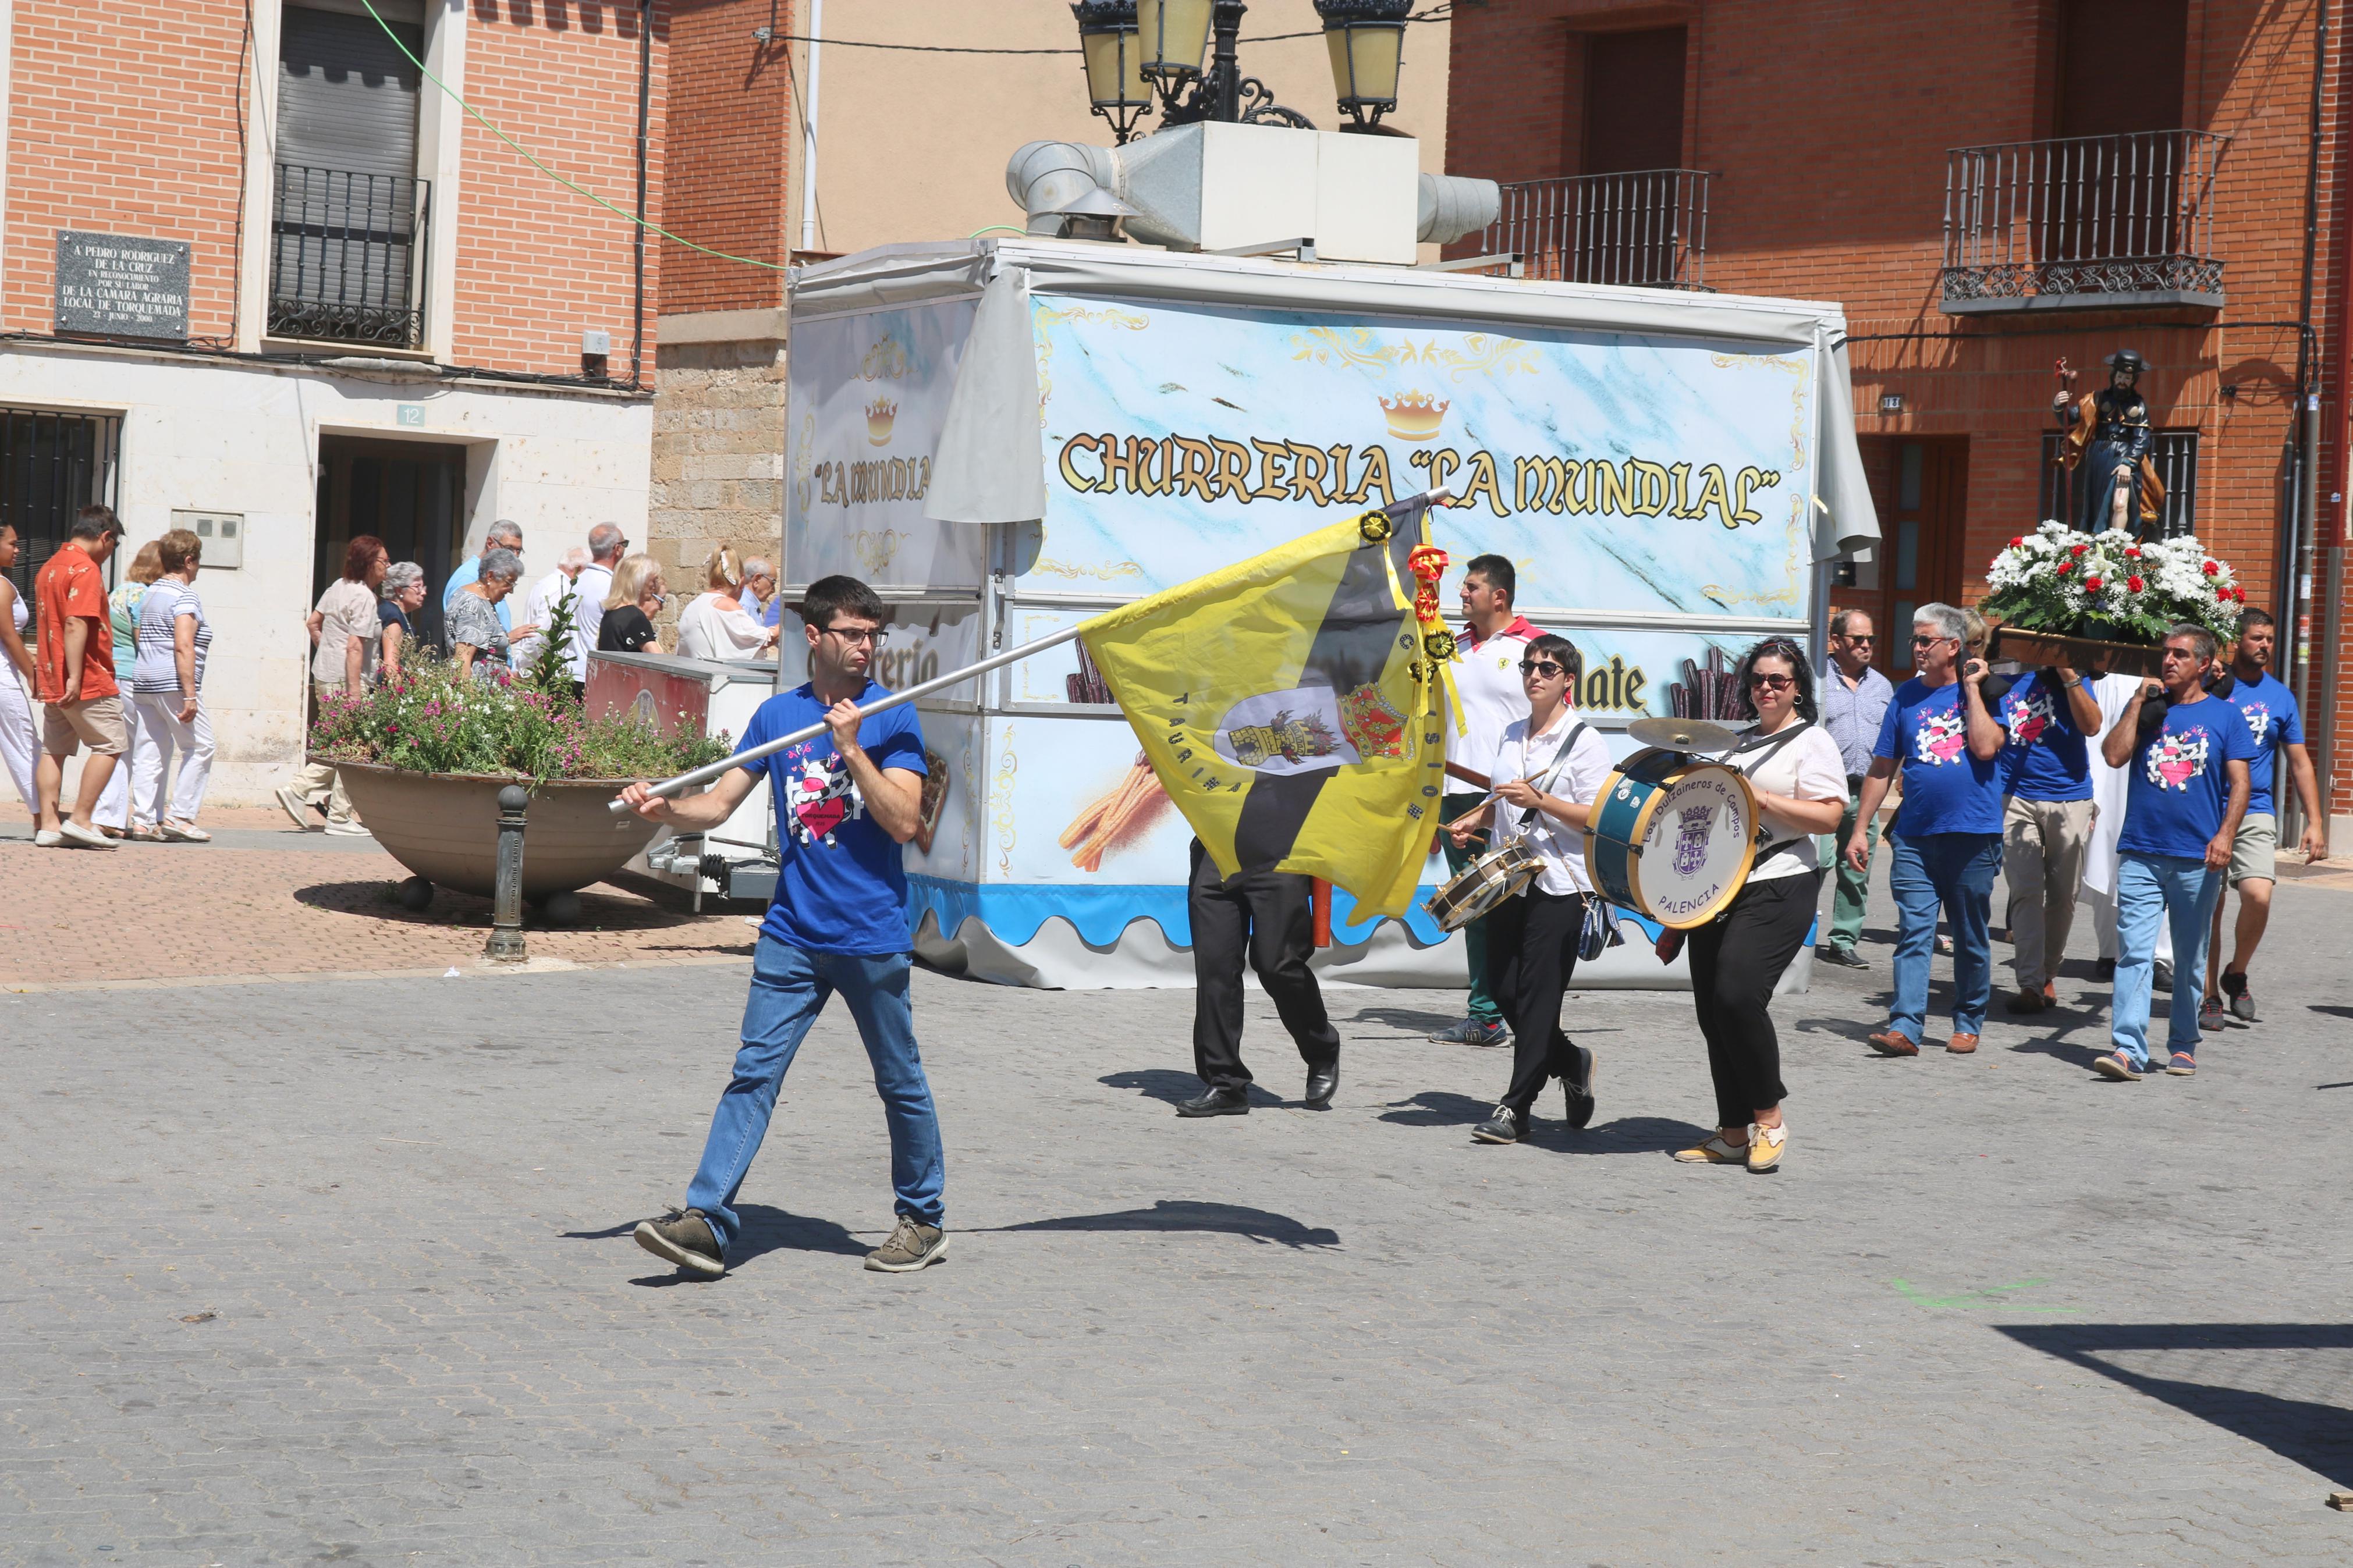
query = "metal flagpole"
{"x": 710, "y": 771}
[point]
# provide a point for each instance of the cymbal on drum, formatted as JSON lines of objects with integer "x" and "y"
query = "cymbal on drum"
{"x": 1682, "y": 734}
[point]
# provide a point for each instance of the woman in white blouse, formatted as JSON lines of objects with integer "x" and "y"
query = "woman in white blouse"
{"x": 1799, "y": 778}
{"x": 716, "y": 626}
{"x": 1549, "y": 769}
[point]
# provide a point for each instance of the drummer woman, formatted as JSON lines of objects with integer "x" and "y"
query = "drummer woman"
{"x": 1549, "y": 769}
{"x": 1799, "y": 776}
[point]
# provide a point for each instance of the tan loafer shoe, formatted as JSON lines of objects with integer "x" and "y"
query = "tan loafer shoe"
{"x": 1961, "y": 1044}
{"x": 1894, "y": 1043}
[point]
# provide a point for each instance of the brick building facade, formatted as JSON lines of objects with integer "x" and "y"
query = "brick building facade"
{"x": 1987, "y": 191}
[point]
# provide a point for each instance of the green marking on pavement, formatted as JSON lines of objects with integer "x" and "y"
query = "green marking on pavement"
{"x": 1992, "y": 1295}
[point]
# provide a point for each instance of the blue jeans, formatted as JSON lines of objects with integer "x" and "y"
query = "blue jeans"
{"x": 789, "y": 989}
{"x": 1953, "y": 871}
{"x": 2150, "y": 887}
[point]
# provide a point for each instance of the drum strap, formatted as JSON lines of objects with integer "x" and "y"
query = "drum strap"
{"x": 1552, "y": 769}
{"x": 1765, "y": 748}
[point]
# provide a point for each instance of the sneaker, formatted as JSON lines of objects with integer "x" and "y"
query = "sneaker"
{"x": 912, "y": 1245}
{"x": 1945, "y": 945}
{"x": 1714, "y": 1151}
{"x": 47, "y": 838}
{"x": 348, "y": 827}
{"x": 2118, "y": 1066}
{"x": 295, "y": 806}
{"x": 1764, "y": 1146}
{"x": 1842, "y": 957}
{"x": 684, "y": 1239}
{"x": 73, "y": 832}
{"x": 1473, "y": 1032}
{"x": 2182, "y": 1065}
{"x": 2242, "y": 1001}
{"x": 2162, "y": 979}
{"x": 1580, "y": 1094}
{"x": 1503, "y": 1127}
{"x": 2212, "y": 1019}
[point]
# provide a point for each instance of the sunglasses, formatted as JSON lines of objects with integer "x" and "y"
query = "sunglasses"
{"x": 1543, "y": 667}
{"x": 1920, "y": 641}
{"x": 1859, "y": 641}
{"x": 1773, "y": 682}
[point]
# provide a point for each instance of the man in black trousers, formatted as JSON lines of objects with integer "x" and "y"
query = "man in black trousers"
{"x": 1266, "y": 914}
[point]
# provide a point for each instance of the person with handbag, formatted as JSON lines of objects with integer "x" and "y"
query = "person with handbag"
{"x": 1798, "y": 775}
{"x": 1550, "y": 766}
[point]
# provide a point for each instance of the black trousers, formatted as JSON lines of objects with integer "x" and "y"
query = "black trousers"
{"x": 1735, "y": 960}
{"x": 1531, "y": 957}
{"x": 1264, "y": 914}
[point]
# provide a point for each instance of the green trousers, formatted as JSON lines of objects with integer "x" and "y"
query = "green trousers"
{"x": 1475, "y": 935}
{"x": 1854, "y": 886}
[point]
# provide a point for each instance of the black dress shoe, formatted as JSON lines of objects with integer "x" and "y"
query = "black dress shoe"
{"x": 1217, "y": 1102}
{"x": 1581, "y": 1089}
{"x": 1323, "y": 1082}
{"x": 1503, "y": 1127}
{"x": 1844, "y": 957}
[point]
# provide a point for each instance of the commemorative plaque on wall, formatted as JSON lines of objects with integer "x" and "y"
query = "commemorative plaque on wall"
{"x": 122, "y": 285}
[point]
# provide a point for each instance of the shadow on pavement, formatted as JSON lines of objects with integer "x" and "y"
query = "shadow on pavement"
{"x": 1171, "y": 1215}
{"x": 1626, "y": 1135}
{"x": 2073, "y": 1053}
{"x": 1858, "y": 1031}
{"x": 1411, "y": 1020}
{"x": 2319, "y": 1437}
{"x": 375, "y": 898}
{"x": 1169, "y": 1086}
{"x": 2332, "y": 1009}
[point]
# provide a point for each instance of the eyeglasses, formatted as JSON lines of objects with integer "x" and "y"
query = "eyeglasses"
{"x": 1919, "y": 640}
{"x": 1543, "y": 667}
{"x": 1773, "y": 682}
{"x": 871, "y": 634}
{"x": 1863, "y": 641}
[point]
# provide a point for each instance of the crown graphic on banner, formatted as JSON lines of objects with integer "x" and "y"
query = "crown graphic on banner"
{"x": 1416, "y": 416}
{"x": 878, "y": 415}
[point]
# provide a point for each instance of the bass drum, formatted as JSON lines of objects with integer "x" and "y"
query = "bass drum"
{"x": 1671, "y": 836}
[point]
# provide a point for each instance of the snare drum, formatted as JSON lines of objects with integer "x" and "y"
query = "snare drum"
{"x": 1487, "y": 881}
{"x": 1671, "y": 836}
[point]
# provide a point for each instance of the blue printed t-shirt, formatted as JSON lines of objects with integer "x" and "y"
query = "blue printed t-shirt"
{"x": 843, "y": 887}
{"x": 2047, "y": 757}
{"x": 2177, "y": 786}
{"x": 1946, "y": 790}
{"x": 2273, "y": 720}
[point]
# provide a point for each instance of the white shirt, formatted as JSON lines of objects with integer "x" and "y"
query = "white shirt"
{"x": 2113, "y": 693}
{"x": 1487, "y": 680}
{"x": 1807, "y": 765}
{"x": 1576, "y": 777}
{"x": 595, "y": 587}
{"x": 706, "y": 631}
{"x": 538, "y": 610}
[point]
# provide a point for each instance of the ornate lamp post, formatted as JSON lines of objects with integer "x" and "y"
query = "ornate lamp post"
{"x": 1136, "y": 50}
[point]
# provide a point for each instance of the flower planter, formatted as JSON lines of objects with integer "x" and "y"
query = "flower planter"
{"x": 2037, "y": 649}
{"x": 445, "y": 827}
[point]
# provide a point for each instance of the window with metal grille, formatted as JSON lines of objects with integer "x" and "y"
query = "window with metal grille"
{"x": 51, "y": 465}
{"x": 2175, "y": 454}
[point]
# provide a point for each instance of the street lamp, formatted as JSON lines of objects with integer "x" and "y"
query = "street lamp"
{"x": 1175, "y": 34}
{"x": 1366, "y": 39}
{"x": 1117, "y": 86}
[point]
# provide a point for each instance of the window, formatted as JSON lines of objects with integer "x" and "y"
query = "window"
{"x": 1634, "y": 101}
{"x": 51, "y": 465}
{"x": 2175, "y": 455}
{"x": 2120, "y": 66}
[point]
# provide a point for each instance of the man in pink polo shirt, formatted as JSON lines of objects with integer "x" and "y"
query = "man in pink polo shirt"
{"x": 1487, "y": 679}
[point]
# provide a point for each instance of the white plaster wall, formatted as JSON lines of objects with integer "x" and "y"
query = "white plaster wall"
{"x": 214, "y": 436}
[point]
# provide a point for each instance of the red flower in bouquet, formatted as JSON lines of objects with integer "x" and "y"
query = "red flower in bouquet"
{"x": 2064, "y": 567}
{"x": 2131, "y": 551}
{"x": 2080, "y": 549}
{"x": 2018, "y": 541}
{"x": 2211, "y": 570}
{"x": 2091, "y": 585}
{"x": 2136, "y": 583}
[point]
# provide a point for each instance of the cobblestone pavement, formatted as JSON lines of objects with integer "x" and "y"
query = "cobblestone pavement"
{"x": 340, "y": 1272}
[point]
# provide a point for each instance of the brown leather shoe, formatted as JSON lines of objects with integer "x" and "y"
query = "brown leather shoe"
{"x": 2027, "y": 1001}
{"x": 1961, "y": 1044}
{"x": 1893, "y": 1043}
{"x": 2051, "y": 994}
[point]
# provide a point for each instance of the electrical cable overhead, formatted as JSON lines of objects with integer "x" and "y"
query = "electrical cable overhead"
{"x": 573, "y": 185}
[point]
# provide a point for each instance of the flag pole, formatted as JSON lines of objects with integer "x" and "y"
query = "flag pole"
{"x": 710, "y": 771}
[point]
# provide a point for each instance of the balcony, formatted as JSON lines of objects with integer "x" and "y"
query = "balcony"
{"x": 1647, "y": 229}
{"x": 2087, "y": 222}
{"x": 347, "y": 257}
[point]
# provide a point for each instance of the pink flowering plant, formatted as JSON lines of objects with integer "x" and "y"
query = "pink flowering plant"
{"x": 432, "y": 720}
{"x": 2109, "y": 587}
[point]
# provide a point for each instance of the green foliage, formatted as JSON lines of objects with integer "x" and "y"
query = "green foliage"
{"x": 432, "y": 720}
{"x": 550, "y": 669}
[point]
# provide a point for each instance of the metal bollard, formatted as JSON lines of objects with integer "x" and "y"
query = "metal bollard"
{"x": 505, "y": 945}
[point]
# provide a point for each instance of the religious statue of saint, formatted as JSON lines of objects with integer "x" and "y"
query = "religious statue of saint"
{"x": 2108, "y": 433}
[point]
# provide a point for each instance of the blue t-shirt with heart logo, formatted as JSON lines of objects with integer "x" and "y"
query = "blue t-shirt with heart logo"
{"x": 843, "y": 884}
{"x": 1946, "y": 789}
{"x": 2273, "y": 720}
{"x": 2177, "y": 787}
{"x": 2047, "y": 757}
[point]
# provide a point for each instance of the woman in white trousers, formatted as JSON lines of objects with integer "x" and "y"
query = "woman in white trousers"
{"x": 167, "y": 681}
{"x": 20, "y": 736}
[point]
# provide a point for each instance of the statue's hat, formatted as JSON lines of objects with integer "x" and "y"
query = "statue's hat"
{"x": 2127, "y": 359}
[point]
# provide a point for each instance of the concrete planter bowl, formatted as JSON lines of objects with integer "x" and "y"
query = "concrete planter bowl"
{"x": 445, "y": 828}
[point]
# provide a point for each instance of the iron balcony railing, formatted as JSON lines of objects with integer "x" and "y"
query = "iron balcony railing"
{"x": 347, "y": 259}
{"x": 1647, "y": 227}
{"x": 2086, "y": 221}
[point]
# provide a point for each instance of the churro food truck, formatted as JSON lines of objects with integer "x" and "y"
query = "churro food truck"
{"x": 1005, "y": 435}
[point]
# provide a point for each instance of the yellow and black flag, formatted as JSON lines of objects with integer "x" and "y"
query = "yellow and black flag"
{"x": 1295, "y": 706}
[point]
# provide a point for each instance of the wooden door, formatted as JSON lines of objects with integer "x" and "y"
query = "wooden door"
{"x": 1920, "y": 487}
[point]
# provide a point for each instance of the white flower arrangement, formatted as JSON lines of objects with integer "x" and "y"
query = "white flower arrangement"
{"x": 2109, "y": 587}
